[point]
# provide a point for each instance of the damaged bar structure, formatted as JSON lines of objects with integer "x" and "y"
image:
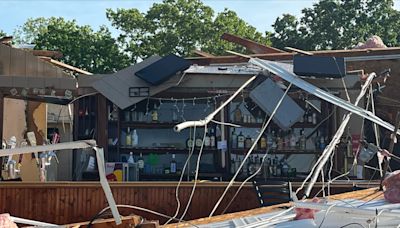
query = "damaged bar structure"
{"x": 181, "y": 136}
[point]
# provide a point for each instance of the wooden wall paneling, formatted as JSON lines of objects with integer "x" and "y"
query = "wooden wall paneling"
{"x": 5, "y": 59}
{"x": 31, "y": 65}
{"x": 18, "y": 62}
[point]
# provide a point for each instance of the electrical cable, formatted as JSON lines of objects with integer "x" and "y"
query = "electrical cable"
{"x": 181, "y": 177}
{"x": 195, "y": 176}
{"x": 353, "y": 223}
{"x": 250, "y": 151}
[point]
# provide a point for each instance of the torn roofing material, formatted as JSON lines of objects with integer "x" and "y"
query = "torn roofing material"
{"x": 285, "y": 71}
{"x": 115, "y": 87}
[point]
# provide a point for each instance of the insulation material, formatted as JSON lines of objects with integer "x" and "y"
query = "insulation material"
{"x": 392, "y": 187}
{"x": 372, "y": 42}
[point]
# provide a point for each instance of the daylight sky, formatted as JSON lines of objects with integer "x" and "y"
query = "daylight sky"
{"x": 259, "y": 13}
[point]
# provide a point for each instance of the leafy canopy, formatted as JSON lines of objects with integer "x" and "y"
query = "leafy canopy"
{"x": 94, "y": 51}
{"x": 338, "y": 24}
{"x": 177, "y": 26}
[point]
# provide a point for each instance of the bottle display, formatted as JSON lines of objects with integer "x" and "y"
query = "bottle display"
{"x": 128, "y": 137}
{"x": 248, "y": 142}
{"x": 141, "y": 162}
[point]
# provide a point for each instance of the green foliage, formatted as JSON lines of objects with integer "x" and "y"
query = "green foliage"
{"x": 338, "y": 24}
{"x": 94, "y": 51}
{"x": 229, "y": 22}
{"x": 2, "y": 33}
{"x": 178, "y": 26}
{"x": 28, "y": 32}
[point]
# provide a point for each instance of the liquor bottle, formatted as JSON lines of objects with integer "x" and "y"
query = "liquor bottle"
{"x": 259, "y": 117}
{"x": 130, "y": 159}
{"x": 322, "y": 143}
{"x": 237, "y": 164}
{"x": 234, "y": 139}
{"x": 302, "y": 140}
{"x": 238, "y": 114}
{"x": 154, "y": 114}
{"x": 135, "y": 138}
{"x": 207, "y": 141}
{"x": 233, "y": 165}
{"x": 270, "y": 167}
{"x": 275, "y": 166}
{"x": 172, "y": 166}
{"x": 314, "y": 118}
{"x": 269, "y": 139}
{"x": 316, "y": 141}
{"x": 267, "y": 171}
{"x": 212, "y": 138}
{"x": 263, "y": 143}
{"x": 128, "y": 137}
{"x": 293, "y": 140}
{"x": 273, "y": 140}
{"x": 141, "y": 163}
{"x": 240, "y": 141}
{"x": 189, "y": 143}
{"x": 198, "y": 142}
{"x": 248, "y": 142}
{"x": 257, "y": 163}
{"x": 287, "y": 139}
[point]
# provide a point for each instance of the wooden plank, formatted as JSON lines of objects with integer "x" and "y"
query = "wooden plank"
{"x": 250, "y": 45}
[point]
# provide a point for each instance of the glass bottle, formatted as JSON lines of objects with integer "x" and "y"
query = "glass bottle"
{"x": 248, "y": 142}
{"x": 302, "y": 140}
{"x": 207, "y": 141}
{"x": 128, "y": 137}
{"x": 273, "y": 140}
{"x": 212, "y": 138}
{"x": 279, "y": 140}
{"x": 172, "y": 166}
{"x": 263, "y": 143}
{"x": 240, "y": 140}
{"x": 135, "y": 138}
{"x": 154, "y": 114}
{"x": 293, "y": 140}
{"x": 259, "y": 117}
{"x": 141, "y": 163}
{"x": 238, "y": 114}
{"x": 234, "y": 139}
{"x": 130, "y": 159}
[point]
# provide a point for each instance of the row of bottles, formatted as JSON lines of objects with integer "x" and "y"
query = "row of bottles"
{"x": 239, "y": 117}
{"x": 272, "y": 167}
{"x": 283, "y": 140}
{"x": 129, "y": 138}
{"x": 171, "y": 169}
{"x": 210, "y": 140}
{"x": 309, "y": 116}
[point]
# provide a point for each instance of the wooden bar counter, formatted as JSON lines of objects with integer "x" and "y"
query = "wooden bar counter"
{"x": 71, "y": 202}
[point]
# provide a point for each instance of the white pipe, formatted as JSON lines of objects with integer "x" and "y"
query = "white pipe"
{"x": 341, "y": 209}
{"x": 105, "y": 185}
{"x": 58, "y": 146}
{"x": 336, "y": 138}
{"x": 31, "y": 222}
{"x": 181, "y": 126}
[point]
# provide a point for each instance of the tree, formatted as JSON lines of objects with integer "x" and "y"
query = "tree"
{"x": 229, "y": 22}
{"x": 28, "y": 32}
{"x": 2, "y": 33}
{"x": 338, "y": 24}
{"x": 179, "y": 27}
{"x": 94, "y": 51}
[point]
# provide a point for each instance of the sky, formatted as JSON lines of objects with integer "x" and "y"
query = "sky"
{"x": 258, "y": 13}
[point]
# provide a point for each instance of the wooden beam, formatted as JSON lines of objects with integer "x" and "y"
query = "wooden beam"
{"x": 66, "y": 66}
{"x": 250, "y": 45}
{"x": 203, "y": 54}
{"x": 47, "y": 53}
